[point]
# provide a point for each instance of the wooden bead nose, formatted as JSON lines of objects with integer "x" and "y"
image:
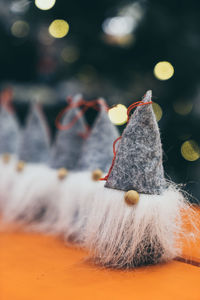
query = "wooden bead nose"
{"x": 20, "y": 166}
{"x": 6, "y": 158}
{"x": 131, "y": 197}
{"x": 62, "y": 173}
{"x": 97, "y": 174}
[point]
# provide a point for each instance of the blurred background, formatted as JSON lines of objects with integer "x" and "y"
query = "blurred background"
{"x": 50, "y": 49}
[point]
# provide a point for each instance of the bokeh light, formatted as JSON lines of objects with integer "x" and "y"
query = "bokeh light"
{"x": 118, "y": 26}
{"x": 163, "y": 70}
{"x": 157, "y": 111}
{"x": 118, "y": 114}
{"x": 70, "y": 54}
{"x": 183, "y": 108}
{"x": 20, "y": 29}
{"x": 59, "y": 28}
{"x": 190, "y": 150}
{"x": 45, "y": 4}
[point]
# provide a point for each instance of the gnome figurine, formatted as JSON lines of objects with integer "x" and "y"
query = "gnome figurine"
{"x": 135, "y": 218}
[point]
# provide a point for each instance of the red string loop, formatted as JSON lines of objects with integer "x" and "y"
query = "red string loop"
{"x": 85, "y": 106}
{"x": 130, "y": 108}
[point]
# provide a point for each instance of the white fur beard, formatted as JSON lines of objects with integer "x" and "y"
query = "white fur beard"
{"x": 21, "y": 194}
{"x": 122, "y": 236}
{"x": 44, "y": 203}
{"x": 75, "y": 203}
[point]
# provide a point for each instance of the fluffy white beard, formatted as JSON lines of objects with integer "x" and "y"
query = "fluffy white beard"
{"x": 75, "y": 203}
{"x": 123, "y": 236}
{"x": 20, "y": 195}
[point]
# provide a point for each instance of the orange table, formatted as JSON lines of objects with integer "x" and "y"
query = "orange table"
{"x": 33, "y": 267}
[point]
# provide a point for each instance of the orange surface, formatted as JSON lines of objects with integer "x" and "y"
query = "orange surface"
{"x": 33, "y": 267}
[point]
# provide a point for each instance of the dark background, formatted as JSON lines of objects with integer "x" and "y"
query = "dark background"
{"x": 120, "y": 71}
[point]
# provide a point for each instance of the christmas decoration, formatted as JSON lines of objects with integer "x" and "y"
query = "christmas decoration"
{"x": 122, "y": 229}
{"x": 133, "y": 219}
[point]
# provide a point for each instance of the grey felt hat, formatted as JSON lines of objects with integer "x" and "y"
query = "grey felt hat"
{"x": 98, "y": 148}
{"x": 138, "y": 162}
{"x": 35, "y": 140}
{"x": 68, "y": 143}
{"x": 9, "y": 131}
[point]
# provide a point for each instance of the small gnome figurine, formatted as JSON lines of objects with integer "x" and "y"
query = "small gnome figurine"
{"x": 135, "y": 218}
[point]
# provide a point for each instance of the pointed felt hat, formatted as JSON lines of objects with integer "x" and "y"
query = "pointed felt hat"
{"x": 98, "y": 147}
{"x": 68, "y": 143}
{"x": 138, "y": 162}
{"x": 35, "y": 140}
{"x": 9, "y": 131}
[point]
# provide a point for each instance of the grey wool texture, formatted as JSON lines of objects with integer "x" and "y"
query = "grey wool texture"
{"x": 138, "y": 163}
{"x": 98, "y": 148}
{"x": 68, "y": 143}
{"x": 9, "y": 131}
{"x": 35, "y": 140}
